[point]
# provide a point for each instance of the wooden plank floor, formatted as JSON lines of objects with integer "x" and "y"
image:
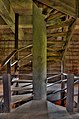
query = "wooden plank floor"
{"x": 38, "y": 110}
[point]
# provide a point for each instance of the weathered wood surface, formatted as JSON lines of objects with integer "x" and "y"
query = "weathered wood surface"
{"x": 65, "y": 6}
{"x": 58, "y": 14}
{"x": 6, "y": 92}
{"x": 39, "y": 54}
{"x": 16, "y": 38}
{"x": 70, "y": 93}
{"x": 9, "y": 16}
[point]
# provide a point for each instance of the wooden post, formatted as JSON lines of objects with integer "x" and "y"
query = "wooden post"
{"x": 6, "y": 92}
{"x": 8, "y": 68}
{"x": 62, "y": 83}
{"x": 39, "y": 54}
{"x": 70, "y": 93}
{"x": 77, "y": 7}
{"x": 16, "y": 37}
{"x": 63, "y": 92}
{"x": 78, "y": 95}
{"x": 16, "y": 42}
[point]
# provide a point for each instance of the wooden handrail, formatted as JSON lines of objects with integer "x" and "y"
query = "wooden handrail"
{"x": 6, "y": 60}
{"x": 24, "y": 57}
{"x": 53, "y": 76}
{"x": 27, "y": 56}
{"x": 25, "y": 47}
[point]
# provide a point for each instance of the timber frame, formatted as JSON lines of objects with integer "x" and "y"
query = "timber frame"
{"x": 61, "y": 19}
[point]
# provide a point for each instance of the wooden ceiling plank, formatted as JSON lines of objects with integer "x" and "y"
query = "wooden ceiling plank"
{"x": 23, "y": 26}
{"x": 60, "y": 6}
{"x": 22, "y": 7}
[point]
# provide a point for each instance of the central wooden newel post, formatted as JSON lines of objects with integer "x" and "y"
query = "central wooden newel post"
{"x": 39, "y": 54}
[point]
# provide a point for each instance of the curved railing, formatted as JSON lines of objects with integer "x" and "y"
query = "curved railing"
{"x": 13, "y": 53}
{"x": 76, "y": 81}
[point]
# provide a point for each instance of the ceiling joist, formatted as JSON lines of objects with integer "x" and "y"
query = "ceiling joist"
{"x": 61, "y": 6}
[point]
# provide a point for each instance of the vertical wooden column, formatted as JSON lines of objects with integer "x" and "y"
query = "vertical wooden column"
{"x": 63, "y": 92}
{"x": 77, "y": 7}
{"x": 6, "y": 92}
{"x": 70, "y": 92}
{"x": 78, "y": 95}
{"x": 8, "y": 68}
{"x": 39, "y": 54}
{"x": 16, "y": 37}
{"x": 16, "y": 42}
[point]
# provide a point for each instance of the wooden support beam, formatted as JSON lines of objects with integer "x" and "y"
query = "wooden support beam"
{"x": 6, "y": 92}
{"x": 9, "y": 67}
{"x": 16, "y": 43}
{"x": 70, "y": 92}
{"x": 61, "y": 6}
{"x": 22, "y": 7}
{"x": 39, "y": 54}
{"x": 77, "y": 7}
{"x": 16, "y": 38}
{"x": 69, "y": 36}
{"x": 62, "y": 84}
{"x": 20, "y": 26}
{"x": 78, "y": 96}
{"x": 8, "y": 16}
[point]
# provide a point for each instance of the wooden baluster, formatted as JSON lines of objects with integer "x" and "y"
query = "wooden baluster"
{"x": 6, "y": 92}
{"x": 70, "y": 92}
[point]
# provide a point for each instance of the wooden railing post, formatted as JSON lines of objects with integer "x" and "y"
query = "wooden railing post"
{"x": 70, "y": 92}
{"x": 16, "y": 37}
{"x": 8, "y": 68}
{"x": 6, "y": 92}
{"x": 78, "y": 95}
{"x": 63, "y": 92}
{"x": 62, "y": 83}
